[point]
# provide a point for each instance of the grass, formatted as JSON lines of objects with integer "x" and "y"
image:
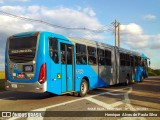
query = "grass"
{"x": 2, "y": 81}
{"x": 152, "y": 72}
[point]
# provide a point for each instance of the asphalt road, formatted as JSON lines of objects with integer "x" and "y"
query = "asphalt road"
{"x": 135, "y": 99}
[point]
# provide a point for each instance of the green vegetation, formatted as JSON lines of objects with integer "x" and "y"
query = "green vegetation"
{"x": 152, "y": 72}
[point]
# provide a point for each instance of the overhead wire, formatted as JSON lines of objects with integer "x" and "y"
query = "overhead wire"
{"x": 92, "y": 35}
{"x": 100, "y": 30}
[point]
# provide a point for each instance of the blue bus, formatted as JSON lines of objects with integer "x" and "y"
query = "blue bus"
{"x": 42, "y": 61}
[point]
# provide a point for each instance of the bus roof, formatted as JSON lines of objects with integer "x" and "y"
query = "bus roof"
{"x": 89, "y": 42}
{"x": 32, "y": 33}
{"x": 23, "y": 34}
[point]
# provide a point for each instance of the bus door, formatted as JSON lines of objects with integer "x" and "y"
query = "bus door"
{"x": 67, "y": 65}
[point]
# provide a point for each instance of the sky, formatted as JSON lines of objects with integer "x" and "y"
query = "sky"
{"x": 139, "y": 22}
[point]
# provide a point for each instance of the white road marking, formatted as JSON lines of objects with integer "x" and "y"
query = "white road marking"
{"x": 100, "y": 103}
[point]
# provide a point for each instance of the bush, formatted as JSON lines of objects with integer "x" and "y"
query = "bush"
{"x": 151, "y": 73}
{"x": 157, "y": 72}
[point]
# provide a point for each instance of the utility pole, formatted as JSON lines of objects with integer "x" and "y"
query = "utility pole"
{"x": 117, "y": 33}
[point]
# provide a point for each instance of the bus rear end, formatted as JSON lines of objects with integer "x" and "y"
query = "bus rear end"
{"x": 25, "y": 63}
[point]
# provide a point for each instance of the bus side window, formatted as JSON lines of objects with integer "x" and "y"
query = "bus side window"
{"x": 92, "y": 55}
{"x": 81, "y": 56}
{"x": 69, "y": 54}
{"x": 108, "y": 57}
{"x": 122, "y": 59}
{"x": 101, "y": 57}
{"x": 132, "y": 61}
{"x": 139, "y": 61}
{"x": 63, "y": 54}
{"x": 127, "y": 60}
{"x": 136, "y": 61}
{"x": 53, "y": 49}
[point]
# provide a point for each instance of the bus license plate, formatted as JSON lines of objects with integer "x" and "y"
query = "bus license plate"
{"x": 14, "y": 85}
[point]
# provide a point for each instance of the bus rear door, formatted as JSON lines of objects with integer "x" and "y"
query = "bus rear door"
{"x": 67, "y": 67}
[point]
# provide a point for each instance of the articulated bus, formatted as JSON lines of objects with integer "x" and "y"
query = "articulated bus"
{"x": 48, "y": 62}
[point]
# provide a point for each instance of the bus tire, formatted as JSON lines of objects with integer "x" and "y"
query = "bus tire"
{"x": 83, "y": 88}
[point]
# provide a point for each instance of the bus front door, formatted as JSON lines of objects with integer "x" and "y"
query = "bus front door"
{"x": 67, "y": 65}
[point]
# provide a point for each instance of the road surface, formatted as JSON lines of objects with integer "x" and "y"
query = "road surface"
{"x": 139, "y": 100}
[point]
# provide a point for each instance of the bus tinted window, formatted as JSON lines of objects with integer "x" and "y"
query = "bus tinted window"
{"x": 122, "y": 59}
{"x": 127, "y": 60}
{"x": 92, "y": 55}
{"x": 23, "y": 42}
{"x": 101, "y": 57}
{"x": 53, "y": 49}
{"x": 22, "y": 49}
{"x": 108, "y": 57}
{"x": 136, "y": 60}
{"x": 63, "y": 54}
{"x": 132, "y": 61}
{"x": 69, "y": 54}
{"x": 81, "y": 56}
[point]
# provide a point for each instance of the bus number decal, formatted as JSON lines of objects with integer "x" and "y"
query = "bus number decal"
{"x": 80, "y": 71}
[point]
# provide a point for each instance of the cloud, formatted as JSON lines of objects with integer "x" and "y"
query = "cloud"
{"x": 89, "y": 12}
{"x": 132, "y": 35}
{"x": 131, "y": 28}
{"x": 149, "y": 17}
{"x": 155, "y": 42}
{"x": 33, "y": 9}
{"x": 72, "y": 18}
{"x": 3, "y": 1}
{"x": 12, "y": 9}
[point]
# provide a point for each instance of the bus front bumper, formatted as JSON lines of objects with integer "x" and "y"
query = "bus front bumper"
{"x": 26, "y": 87}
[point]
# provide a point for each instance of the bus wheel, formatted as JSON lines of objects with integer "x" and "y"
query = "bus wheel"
{"x": 83, "y": 88}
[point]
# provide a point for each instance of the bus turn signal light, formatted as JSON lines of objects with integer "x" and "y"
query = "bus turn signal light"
{"x": 42, "y": 74}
